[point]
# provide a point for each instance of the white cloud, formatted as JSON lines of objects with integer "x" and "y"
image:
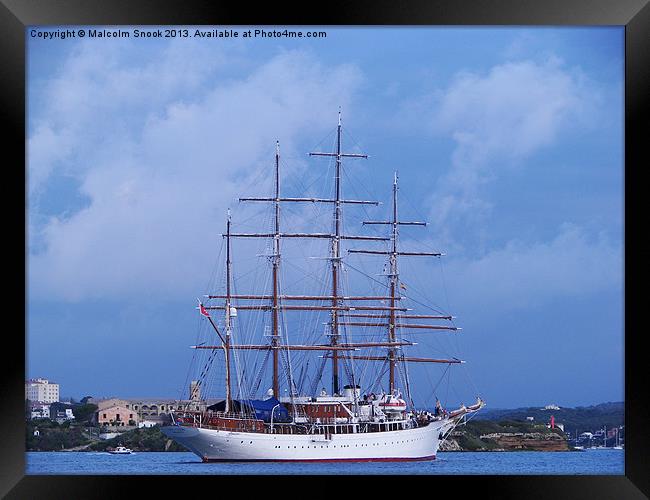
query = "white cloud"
{"x": 520, "y": 275}
{"x": 47, "y": 150}
{"x": 100, "y": 96}
{"x": 161, "y": 149}
{"x": 512, "y": 111}
{"x": 498, "y": 120}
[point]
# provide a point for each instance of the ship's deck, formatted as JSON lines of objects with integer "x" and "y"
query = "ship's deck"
{"x": 247, "y": 424}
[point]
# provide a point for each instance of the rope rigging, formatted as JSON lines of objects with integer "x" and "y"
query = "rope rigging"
{"x": 250, "y": 366}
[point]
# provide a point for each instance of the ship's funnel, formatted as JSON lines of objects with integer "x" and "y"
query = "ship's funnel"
{"x": 352, "y": 392}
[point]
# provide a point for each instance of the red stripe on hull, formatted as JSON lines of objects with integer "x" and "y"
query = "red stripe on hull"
{"x": 421, "y": 459}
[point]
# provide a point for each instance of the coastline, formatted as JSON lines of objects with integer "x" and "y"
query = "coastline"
{"x": 475, "y": 436}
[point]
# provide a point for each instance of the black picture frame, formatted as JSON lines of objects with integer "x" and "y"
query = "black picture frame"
{"x": 16, "y": 15}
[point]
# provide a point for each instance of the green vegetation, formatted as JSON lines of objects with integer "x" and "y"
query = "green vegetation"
{"x": 54, "y": 437}
{"x": 480, "y": 427}
{"x": 581, "y": 419}
{"x": 145, "y": 439}
{"x": 84, "y": 412}
{"x": 469, "y": 441}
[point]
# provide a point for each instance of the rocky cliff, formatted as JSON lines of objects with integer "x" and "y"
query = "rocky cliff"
{"x": 528, "y": 441}
{"x": 504, "y": 436}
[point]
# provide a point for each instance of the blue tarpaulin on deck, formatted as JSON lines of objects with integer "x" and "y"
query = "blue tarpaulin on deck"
{"x": 262, "y": 408}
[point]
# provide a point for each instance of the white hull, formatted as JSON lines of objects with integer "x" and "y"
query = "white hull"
{"x": 219, "y": 445}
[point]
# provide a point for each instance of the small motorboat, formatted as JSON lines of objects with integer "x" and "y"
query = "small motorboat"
{"x": 120, "y": 450}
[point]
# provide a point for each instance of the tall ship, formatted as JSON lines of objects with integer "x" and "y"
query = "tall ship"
{"x": 275, "y": 346}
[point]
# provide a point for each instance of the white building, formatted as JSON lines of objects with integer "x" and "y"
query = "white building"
{"x": 551, "y": 407}
{"x": 41, "y": 411}
{"x": 62, "y": 416}
{"x": 41, "y": 390}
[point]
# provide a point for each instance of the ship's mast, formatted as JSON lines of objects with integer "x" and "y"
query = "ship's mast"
{"x": 336, "y": 262}
{"x": 276, "y": 298}
{"x": 275, "y": 341}
{"x": 277, "y": 235}
{"x": 336, "y": 253}
{"x": 394, "y": 285}
{"x": 342, "y": 308}
{"x": 228, "y": 312}
{"x": 276, "y": 305}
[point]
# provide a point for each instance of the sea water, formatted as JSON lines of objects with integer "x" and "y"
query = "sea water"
{"x": 591, "y": 462}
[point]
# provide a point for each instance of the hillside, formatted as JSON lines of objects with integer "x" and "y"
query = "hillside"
{"x": 581, "y": 418}
{"x": 483, "y": 435}
{"x": 72, "y": 436}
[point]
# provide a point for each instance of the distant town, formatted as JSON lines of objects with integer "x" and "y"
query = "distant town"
{"x": 92, "y": 419}
{"x": 103, "y": 418}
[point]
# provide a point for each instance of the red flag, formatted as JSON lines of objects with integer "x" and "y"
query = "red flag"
{"x": 203, "y": 310}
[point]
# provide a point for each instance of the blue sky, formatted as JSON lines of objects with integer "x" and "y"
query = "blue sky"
{"x": 508, "y": 141}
